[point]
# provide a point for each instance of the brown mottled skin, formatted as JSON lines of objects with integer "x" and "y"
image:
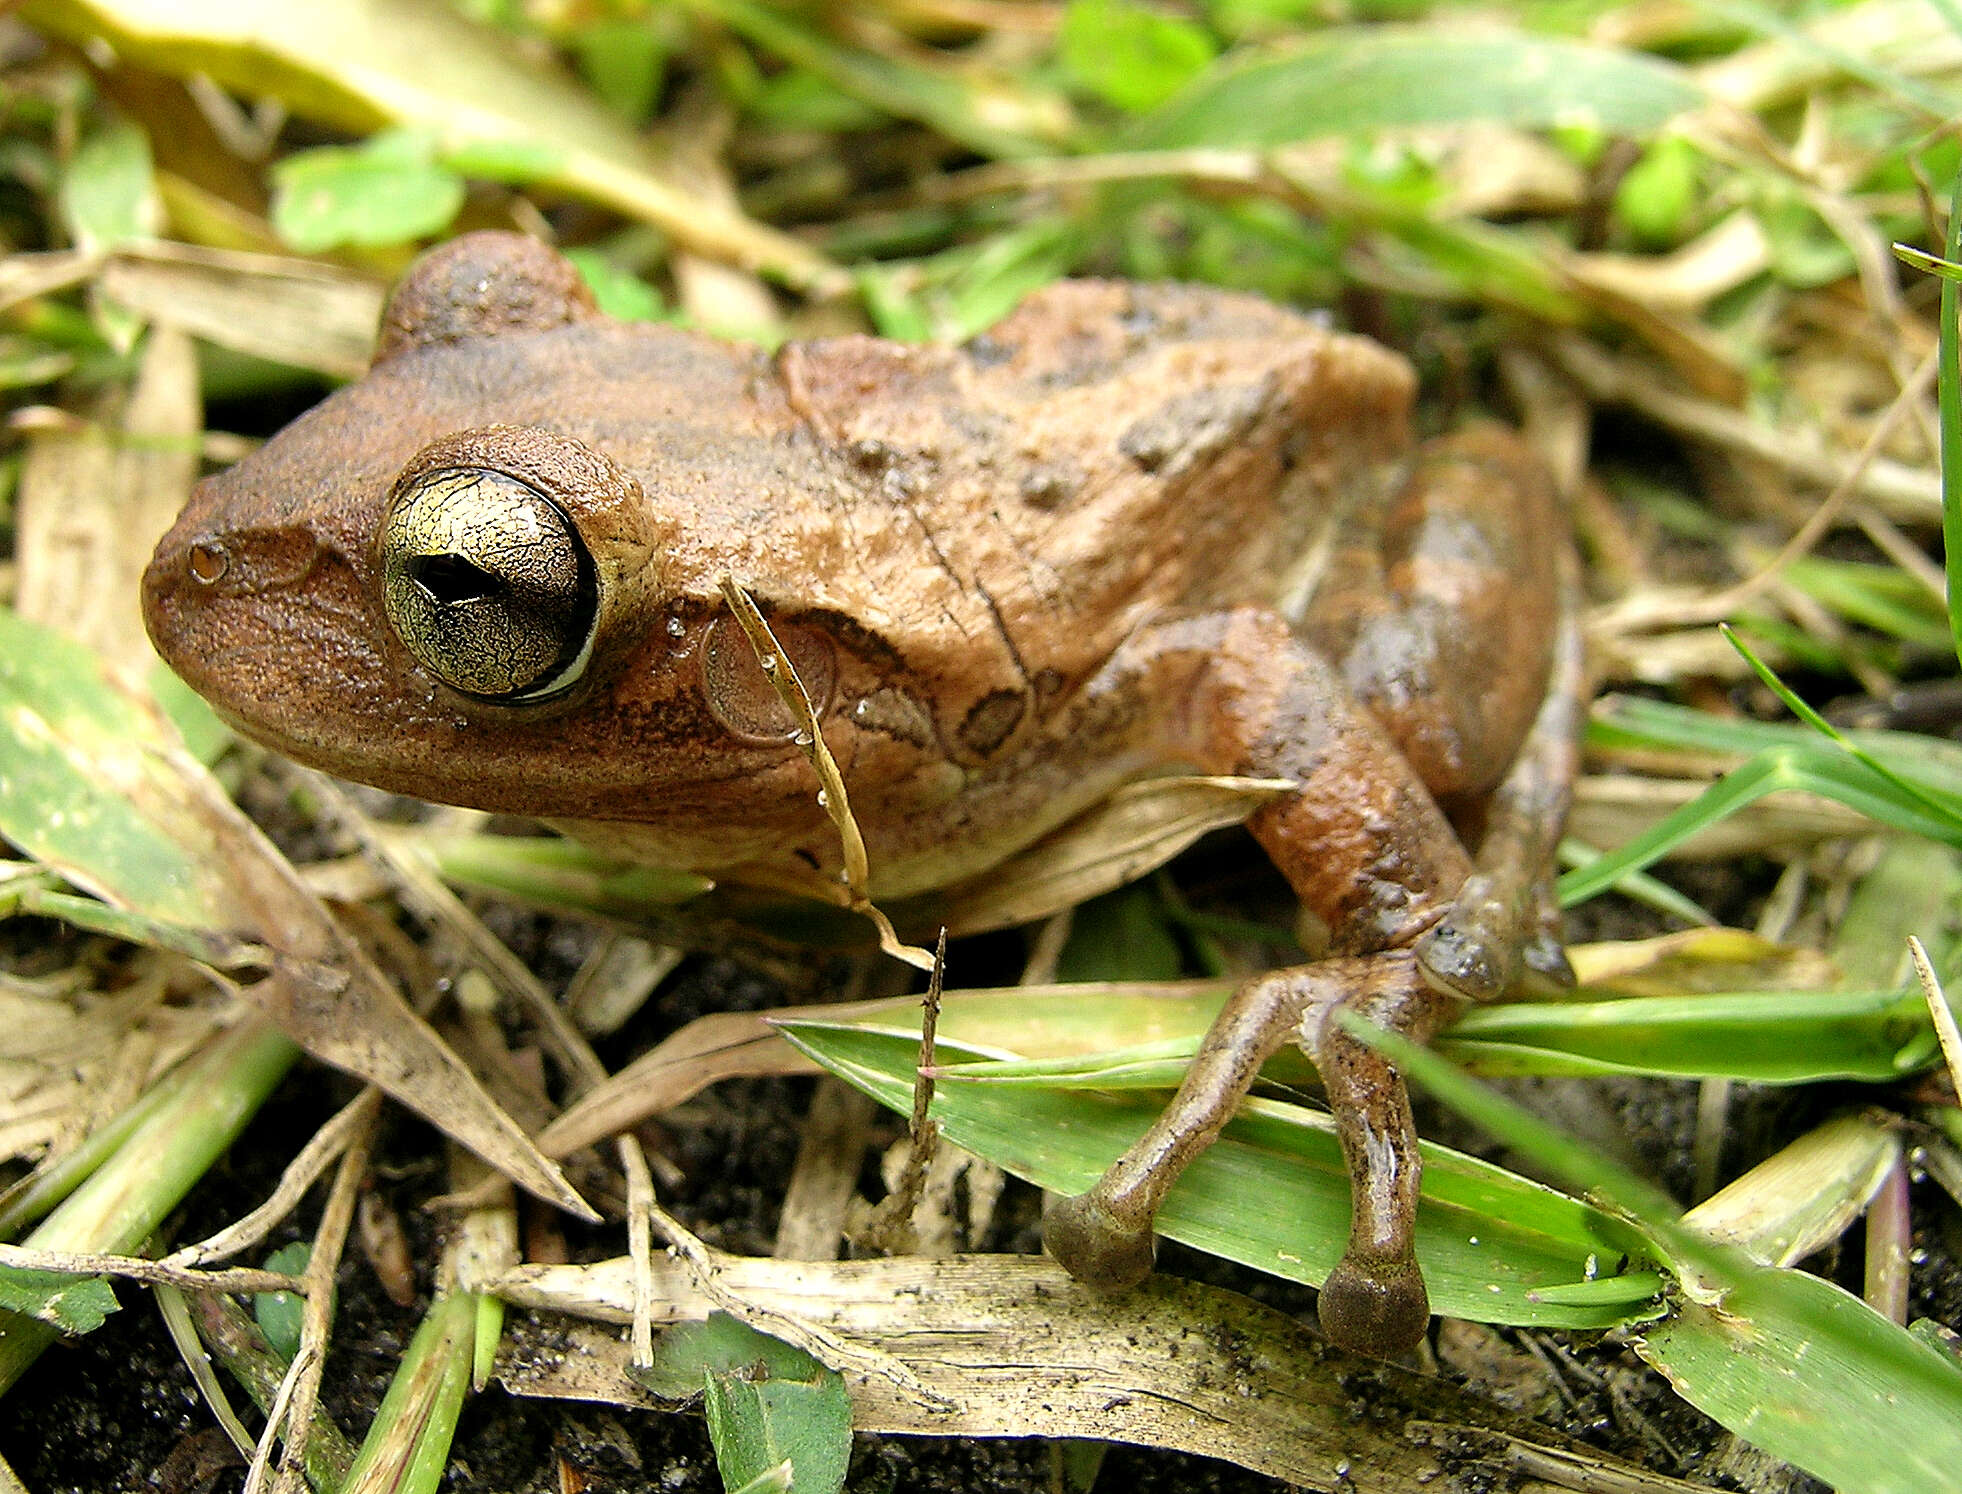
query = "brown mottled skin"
{"x": 1133, "y": 530}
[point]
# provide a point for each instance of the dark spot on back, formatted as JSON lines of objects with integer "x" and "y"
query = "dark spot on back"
{"x": 991, "y": 720}
{"x": 1047, "y": 487}
{"x": 1190, "y": 427}
{"x": 987, "y": 351}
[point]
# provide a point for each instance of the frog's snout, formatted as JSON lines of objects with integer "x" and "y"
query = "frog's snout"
{"x": 211, "y": 594}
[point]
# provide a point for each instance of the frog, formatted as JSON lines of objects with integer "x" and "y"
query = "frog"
{"x": 1133, "y": 530}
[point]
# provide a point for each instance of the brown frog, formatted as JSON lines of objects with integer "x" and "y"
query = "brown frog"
{"x": 1134, "y": 530}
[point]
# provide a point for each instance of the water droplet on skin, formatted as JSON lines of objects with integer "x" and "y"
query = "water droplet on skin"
{"x": 676, "y": 627}
{"x": 824, "y": 799}
{"x": 769, "y": 663}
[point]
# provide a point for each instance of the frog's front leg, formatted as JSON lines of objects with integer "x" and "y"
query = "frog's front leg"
{"x": 1370, "y": 854}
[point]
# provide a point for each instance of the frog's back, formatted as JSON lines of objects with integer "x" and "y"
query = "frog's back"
{"x": 1109, "y": 452}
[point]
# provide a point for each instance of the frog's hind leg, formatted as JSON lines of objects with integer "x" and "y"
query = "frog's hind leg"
{"x": 1104, "y": 1236}
{"x": 1437, "y": 606}
{"x": 1372, "y": 857}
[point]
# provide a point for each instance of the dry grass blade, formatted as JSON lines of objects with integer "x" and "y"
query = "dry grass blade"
{"x": 426, "y": 896}
{"x": 95, "y": 500}
{"x": 1134, "y": 831}
{"x": 1938, "y": 1009}
{"x": 723, "y": 1045}
{"x": 710, "y": 1274}
{"x": 361, "y": 63}
{"x": 320, "y": 1152}
{"x": 294, "y": 311}
{"x": 1909, "y": 493}
{"x": 782, "y": 675}
{"x": 1012, "y": 1346}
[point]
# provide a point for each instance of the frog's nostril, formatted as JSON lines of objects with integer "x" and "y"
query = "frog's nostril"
{"x": 451, "y": 579}
{"x": 207, "y": 564}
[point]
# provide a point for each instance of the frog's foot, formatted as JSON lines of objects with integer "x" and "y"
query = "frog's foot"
{"x": 1103, "y": 1244}
{"x": 1103, "y": 1237}
{"x": 1374, "y": 1300}
{"x": 1367, "y": 1305}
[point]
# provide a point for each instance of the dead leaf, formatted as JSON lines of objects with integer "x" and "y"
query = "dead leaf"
{"x": 293, "y": 311}
{"x": 1012, "y": 1346}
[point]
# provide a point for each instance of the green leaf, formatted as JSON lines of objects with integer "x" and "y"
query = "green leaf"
{"x": 799, "y": 99}
{"x": 622, "y": 59}
{"x": 390, "y": 190}
{"x": 768, "y": 1404}
{"x": 108, "y": 194}
{"x": 1129, "y": 55}
{"x": 362, "y": 65}
{"x": 1354, "y": 79}
{"x": 1273, "y": 1193}
{"x": 280, "y": 1314}
{"x": 82, "y": 788}
{"x": 73, "y": 1304}
{"x": 1003, "y": 115}
{"x": 621, "y": 294}
{"x": 515, "y": 161}
{"x": 1655, "y": 199}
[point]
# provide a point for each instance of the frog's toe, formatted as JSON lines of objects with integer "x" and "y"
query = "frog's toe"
{"x": 1548, "y": 972}
{"x": 1095, "y": 1244}
{"x": 1380, "y": 1309}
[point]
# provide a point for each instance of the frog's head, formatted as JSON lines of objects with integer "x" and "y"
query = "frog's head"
{"x": 432, "y": 580}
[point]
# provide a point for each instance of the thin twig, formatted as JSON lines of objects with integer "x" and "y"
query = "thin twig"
{"x": 336, "y": 1219}
{"x": 640, "y": 1246}
{"x": 149, "y": 1272}
{"x": 314, "y": 1158}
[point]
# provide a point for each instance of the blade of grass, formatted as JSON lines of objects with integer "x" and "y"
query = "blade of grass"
{"x": 132, "y": 1192}
{"x": 1814, "y": 770}
{"x": 1779, "y": 1357}
{"x": 407, "y": 1447}
{"x": 1359, "y": 78}
{"x": 1948, "y": 399}
{"x": 1761, "y": 1037}
{"x": 1273, "y": 1192}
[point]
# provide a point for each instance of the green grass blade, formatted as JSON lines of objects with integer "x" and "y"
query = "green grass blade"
{"x": 1364, "y": 78}
{"x": 407, "y": 1447}
{"x": 1759, "y": 1037}
{"x": 130, "y": 1194}
{"x": 1949, "y": 402}
{"x": 1816, "y": 770}
{"x": 1272, "y": 1193}
{"x": 1779, "y": 1357}
{"x": 1791, "y": 1363}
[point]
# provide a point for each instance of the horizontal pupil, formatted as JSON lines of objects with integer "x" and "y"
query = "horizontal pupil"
{"x": 450, "y": 579}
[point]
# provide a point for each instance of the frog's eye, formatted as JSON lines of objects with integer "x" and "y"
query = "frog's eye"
{"x": 488, "y": 583}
